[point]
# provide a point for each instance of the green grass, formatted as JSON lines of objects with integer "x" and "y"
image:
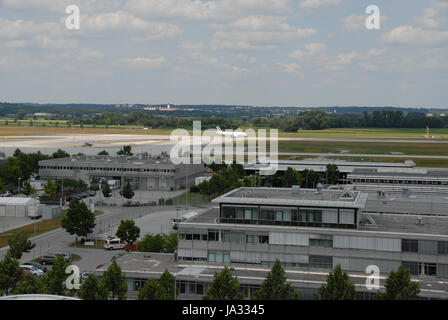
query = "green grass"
{"x": 361, "y": 147}
{"x": 41, "y": 227}
{"x": 193, "y": 199}
{"x": 367, "y": 133}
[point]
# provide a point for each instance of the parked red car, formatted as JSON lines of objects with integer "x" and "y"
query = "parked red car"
{"x": 131, "y": 247}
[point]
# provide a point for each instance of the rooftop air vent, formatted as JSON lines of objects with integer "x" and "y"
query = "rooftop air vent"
{"x": 295, "y": 189}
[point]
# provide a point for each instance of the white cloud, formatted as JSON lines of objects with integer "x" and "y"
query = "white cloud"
{"x": 409, "y": 34}
{"x": 256, "y": 33}
{"x": 26, "y": 28}
{"x": 354, "y": 23}
{"x": 429, "y": 18}
{"x": 290, "y": 68}
{"x": 318, "y": 3}
{"x": 206, "y": 10}
{"x": 191, "y": 47}
{"x": 121, "y": 22}
{"x": 60, "y": 5}
{"x": 142, "y": 63}
{"x": 312, "y": 50}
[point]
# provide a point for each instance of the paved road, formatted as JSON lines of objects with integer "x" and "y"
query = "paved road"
{"x": 155, "y": 219}
{"x": 400, "y": 156}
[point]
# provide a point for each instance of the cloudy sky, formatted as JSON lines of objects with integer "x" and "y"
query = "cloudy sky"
{"x": 244, "y": 52}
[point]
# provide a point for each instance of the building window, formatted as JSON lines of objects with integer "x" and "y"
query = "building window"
{"x": 310, "y": 216}
{"x": 324, "y": 243}
{"x": 409, "y": 245}
{"x": 442, "y": 247}
{"x": 257, "y": 239}
{"x": 219, "y": 256}
{"x": 325, "y": 262}
{"x": 428, "y": 269}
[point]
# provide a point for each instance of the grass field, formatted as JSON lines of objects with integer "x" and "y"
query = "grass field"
{"x": 23, "y": 127}
{"x": 369, "y": 133}
{"x": 362, "y": 147}
{"x": 41, "y": 227}
{"x": 193, "y": 199}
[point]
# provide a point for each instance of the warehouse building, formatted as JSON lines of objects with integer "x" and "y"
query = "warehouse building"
{"x": 17, "y": 207}
{"x": 142, "y": 172}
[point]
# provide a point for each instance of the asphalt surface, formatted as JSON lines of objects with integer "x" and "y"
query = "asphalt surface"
{"x": 150, "y": 219}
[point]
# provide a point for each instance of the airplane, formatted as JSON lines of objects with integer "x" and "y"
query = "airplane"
{"x": 233, "y": 134}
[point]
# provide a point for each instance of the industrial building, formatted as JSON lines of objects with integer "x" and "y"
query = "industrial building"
{"x": 368, "y": 175}
{"x": 310, "y": 231}
{"x": 142, "y": 172}
{"x": 17, "y": 207}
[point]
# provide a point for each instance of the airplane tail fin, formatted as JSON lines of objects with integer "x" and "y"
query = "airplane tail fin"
{"x": 219, "y": 129}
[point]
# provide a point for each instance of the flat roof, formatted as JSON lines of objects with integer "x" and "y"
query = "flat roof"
{"x": 410, "y": 203}
{"x": 397, "y": 216}
{"x": 287, "y": 197}
{"x": 11, "y": 201}
{"x": 405, "y": 173}
{"x": 108, "y": 160}
{"x": 140, "y": 265}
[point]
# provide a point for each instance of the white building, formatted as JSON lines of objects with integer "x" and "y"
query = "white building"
{"x": 17, "y": 207}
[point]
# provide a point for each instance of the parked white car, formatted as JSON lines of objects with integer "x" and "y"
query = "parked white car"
{"x": 33, "y": 270}
{"x": 113, "y": 244}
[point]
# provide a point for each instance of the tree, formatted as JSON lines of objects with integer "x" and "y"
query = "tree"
{"x": 51, "y": 188}
{"x": 92, "y": 289}
{"x": 21, "y": 114}
{"x": 31, "y": 285}
{"x": 291, "y": 177}
{"x": 28, "y": 189}
{"x": 127, "y": 191}
{"x": 18, "y": 244}
{"x": 399, "y": 286}
{"x": 152, "y": 243}
{"x": 224, "y": 287}
{"x": 151, "y": 290}
{"x": 10, "y": 273}
{"x": 338, "y": 286}
{"x": 274, "y": 287}
{"x": 79, "y": 220}
{"x": 55, "y": 278}
{"x": 107, "y": 192}
{"x": 315, "y": 120}
{"x": 167, "y": 282}
{"x": 103, "y": 153}
{"x": 126, "y": 150}
{"x": 128, "y": 231}
{"x": 60, "y": 154}
{"x": 332, "y": 174}
{"x": 114, "y": 281}
{"x": 170, "y": 240}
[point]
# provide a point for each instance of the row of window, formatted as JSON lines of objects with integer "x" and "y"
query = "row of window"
{"x": 241, "y": 237}
{"x": 272, "y": 214}
{"x": 421, "y": 268}
{"x": 200, "y": 288}
{"x": 225, "y": 236}
{"x": 429, "y": 182}
{"x": 107, "y": 169}
{"x": 293, "y": 216}
{"x": 412, "y": 245}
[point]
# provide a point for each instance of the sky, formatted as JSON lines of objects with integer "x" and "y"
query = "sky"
{"x": 236, "y": 52}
